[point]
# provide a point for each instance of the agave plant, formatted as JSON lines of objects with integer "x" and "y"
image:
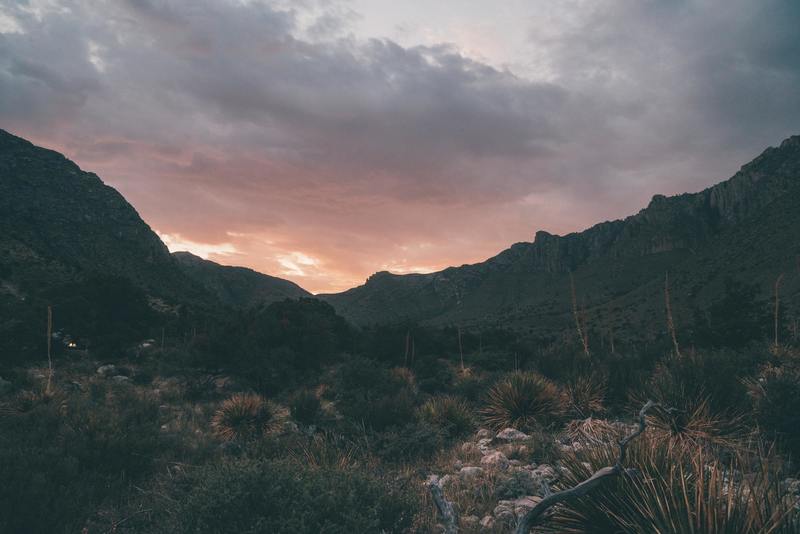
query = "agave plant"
{"x": 245, "y": 416}
{"x": 523, "y": 401}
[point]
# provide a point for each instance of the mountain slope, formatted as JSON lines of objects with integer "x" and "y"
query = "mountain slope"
{"x": 59, "y": 224}
{"x": 238, "y": 286}
{"x": 746, "y": 227}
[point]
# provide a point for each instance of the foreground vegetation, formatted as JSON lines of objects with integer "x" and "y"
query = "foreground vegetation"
{"x": 285, "y": 419}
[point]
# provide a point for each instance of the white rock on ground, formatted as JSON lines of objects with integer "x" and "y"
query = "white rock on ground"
{"x": 107, "y": 370}
{"x": 470, "y": 472}
{"x": 495, "y": 460}
{"x": 512, "y": 434}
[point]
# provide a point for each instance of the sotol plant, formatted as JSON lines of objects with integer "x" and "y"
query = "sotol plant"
{"x": 245, "y": 416}
{"x": 523, "y": 401}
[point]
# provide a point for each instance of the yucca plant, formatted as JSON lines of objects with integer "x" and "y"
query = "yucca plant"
{"x": 451, "y": 414}
{"x": 523, "y": 401}
{"x": 586, "y": 396}
{"x": 674, "y": 491}
{"x": 245, "y": 416}
{"x": 694, "y": 426}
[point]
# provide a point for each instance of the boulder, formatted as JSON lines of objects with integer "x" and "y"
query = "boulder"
{"x": 470, "y": 472}
{"x": 107, "y": 370}
{"x": 484, "y": 445}
{"x": 483, "y": 433}
{"x": 523, "y": 505}
{"x": 545, "y": 472}
{"x": 495, "y": 460}
{"x": 504, "y": 512}
{"x": 512, "y": 434}
{"x": 470, "y": 521}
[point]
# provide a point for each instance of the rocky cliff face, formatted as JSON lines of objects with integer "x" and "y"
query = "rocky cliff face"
{"x": 613, "y": 256}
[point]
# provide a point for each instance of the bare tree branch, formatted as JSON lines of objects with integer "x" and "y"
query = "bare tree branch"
{"x": 445, "y": 507}
{"x": 529, "y": 519}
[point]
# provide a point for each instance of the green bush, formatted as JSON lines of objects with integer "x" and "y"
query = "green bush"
{"x": 452, "y": 414}
{"x": 305, "y": 407}
{"x": 411, "y": 442}
{"x": 248, "y": 496}
{"x": 62, "y": 456}
{"x": 776, "y": 404}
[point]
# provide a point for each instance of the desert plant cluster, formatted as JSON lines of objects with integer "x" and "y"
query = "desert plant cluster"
{"x": 286, "y": 419}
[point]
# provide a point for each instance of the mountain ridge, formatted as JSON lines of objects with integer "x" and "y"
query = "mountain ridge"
{"x": 668, "y": 226}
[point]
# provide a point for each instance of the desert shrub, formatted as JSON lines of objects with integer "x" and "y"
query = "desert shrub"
{"x": 249, "y": 496}
{"x": 675, "y": 491}
{"x": 452, "y": 414}
{"x": 586, "y": 395}
{"x": 245, "y": 416}
{"x": 523, "y": 401}
{"x": 776, "y": 404}
{"x": 519, "y": 484}
{"x": 716, "y": 375}
{"x": 305, "y": 407}
{"x": 369, "y": 394}
{"x": 61, "y": 456}
{"x": 471, "y": 386}
{"x": 408, "y": 443}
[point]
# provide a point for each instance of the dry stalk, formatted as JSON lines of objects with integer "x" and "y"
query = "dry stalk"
{"x": 461, "y": 349}
{"x": 578, "y": 326}
{"x": 670, "y": 321}
{"x": 49, "y": 346}
{"x": 777, "y": 306}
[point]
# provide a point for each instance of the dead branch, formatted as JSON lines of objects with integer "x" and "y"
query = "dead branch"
{"x": 551, "y": 499}
{"x": 446, "y": 509}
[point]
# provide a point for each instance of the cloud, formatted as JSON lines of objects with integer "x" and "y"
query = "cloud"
{"x": 272, "y": 128}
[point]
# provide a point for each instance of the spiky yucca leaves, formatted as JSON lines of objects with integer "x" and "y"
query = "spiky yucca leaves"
{"x": 676, "y": 491}
{"x": 451, "y": 414}
{"x": 523, "y": 401}
{"x": 586, "y": 396}
{"x": 694, "y": 426}
{"x": 245, "y": 416}
{"x": 594, "y": 431}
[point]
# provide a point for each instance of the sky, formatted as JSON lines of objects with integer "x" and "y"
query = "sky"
{"x": 324, "y": 140}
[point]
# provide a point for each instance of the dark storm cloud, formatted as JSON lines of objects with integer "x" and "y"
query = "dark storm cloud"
{"x": 244, "y": 118}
